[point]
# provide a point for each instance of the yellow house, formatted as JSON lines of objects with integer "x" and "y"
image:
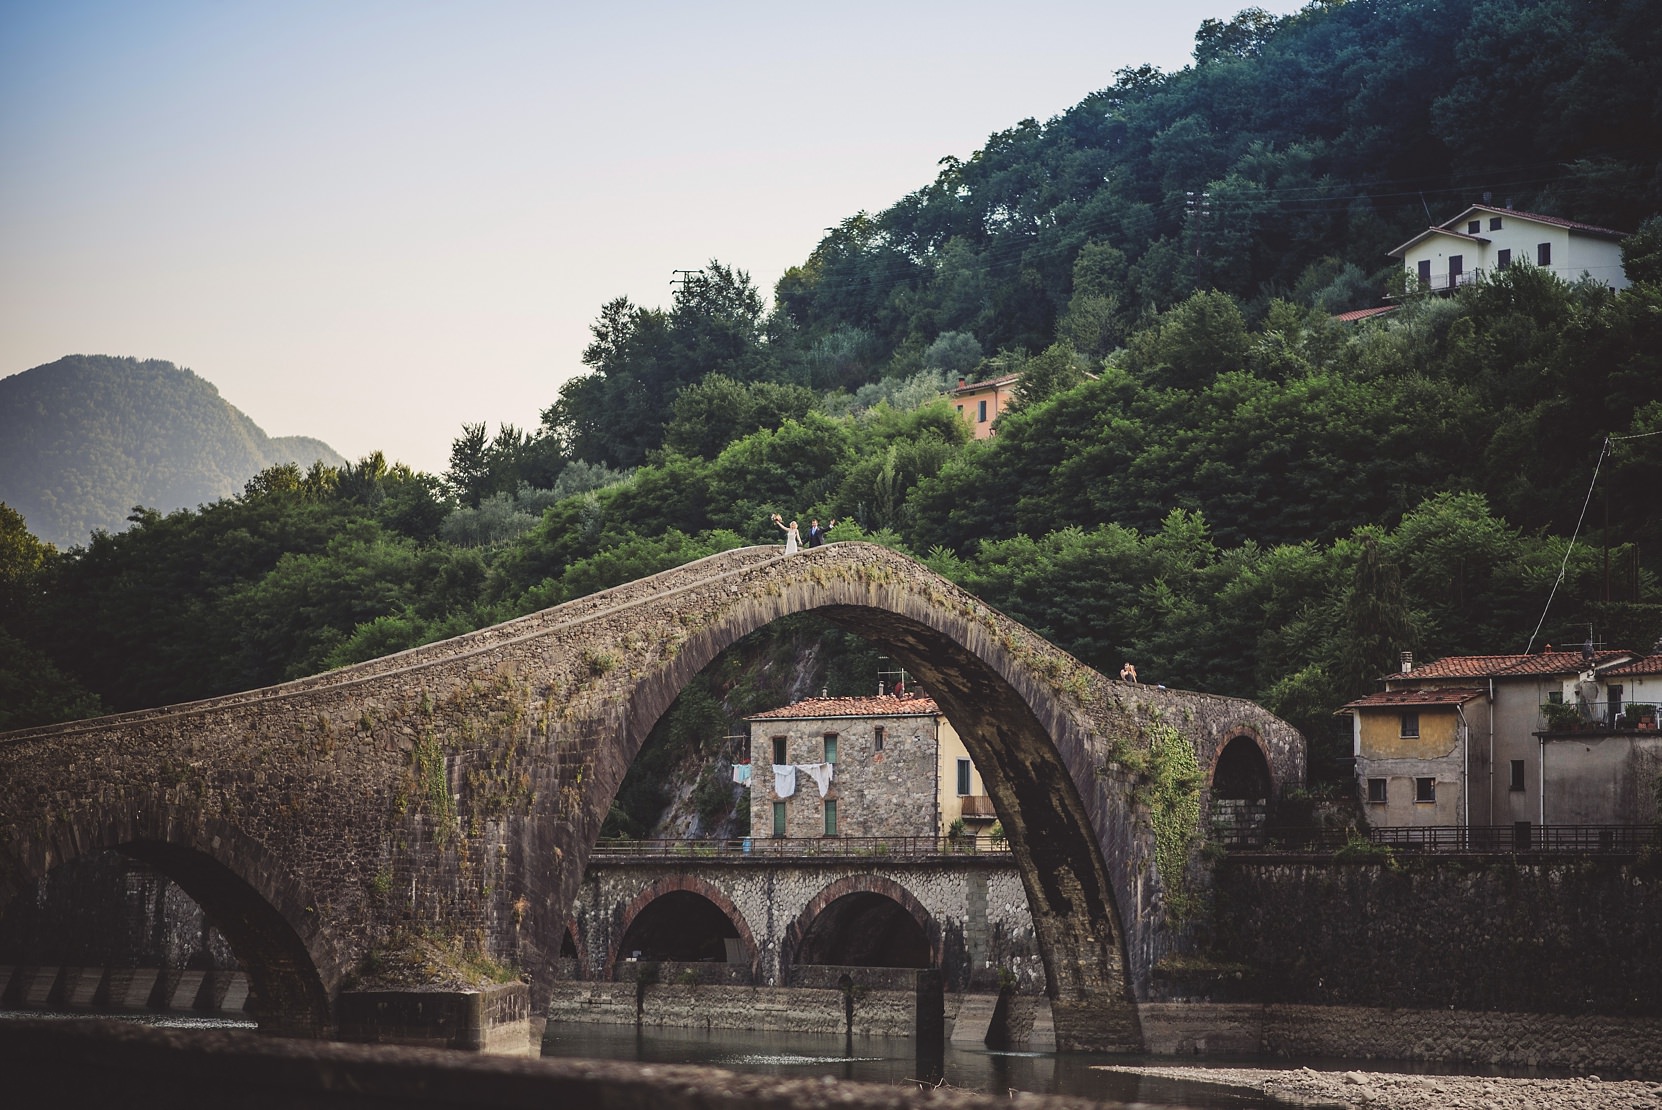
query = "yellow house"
{"x": 1412, "y": 750}
{"x": 979, "y": 403}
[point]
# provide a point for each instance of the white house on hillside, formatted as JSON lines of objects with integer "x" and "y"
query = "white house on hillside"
{"x": 1485, "y": 239}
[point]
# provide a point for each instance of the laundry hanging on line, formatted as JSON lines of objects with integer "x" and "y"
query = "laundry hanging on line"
{"x": 741, "y": 774}
{"x": 821, "y": 773}
{"x": 784, "y": 780}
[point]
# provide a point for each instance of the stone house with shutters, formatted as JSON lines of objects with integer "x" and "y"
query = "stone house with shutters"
{"x": 897, "y": 768}
{"x": 1485, "y": 239}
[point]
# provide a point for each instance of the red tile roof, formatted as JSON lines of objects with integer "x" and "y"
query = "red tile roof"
{"x": 887, "y": 705}
{"x": 1435, "y": 695}
{"x": 1556, "y": 221}
{"x": 1650, "y": 664}
{"x": 1363, "y": 313}
{"x": 990, "y": 383}
{"x": 1510, "y": 666}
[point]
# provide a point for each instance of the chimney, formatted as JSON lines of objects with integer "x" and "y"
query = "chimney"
{"x": 1407, "y": 661}
{"x": 960, "y": 381}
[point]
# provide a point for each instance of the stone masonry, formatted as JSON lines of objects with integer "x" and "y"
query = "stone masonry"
{"x": 954, "y": 900}
{"x": 453, "y": 791}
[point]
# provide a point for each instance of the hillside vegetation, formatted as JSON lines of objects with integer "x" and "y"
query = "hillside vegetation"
{"x": 1205, "y": 473}
{"x": 85, "y": 439}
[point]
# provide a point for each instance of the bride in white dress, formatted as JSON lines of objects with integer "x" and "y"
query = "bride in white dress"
{"x": 791, "y": 534}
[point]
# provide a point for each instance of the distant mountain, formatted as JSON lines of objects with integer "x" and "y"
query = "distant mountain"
{"x": 85, "y": 438}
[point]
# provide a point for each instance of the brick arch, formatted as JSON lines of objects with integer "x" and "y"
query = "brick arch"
{"x": 259, "y": 906}
{"x": 1241, "y": 732}
{"x": 689, "y": 884}
{"x": 580, "y": 944}
{"x": 797, "y": 930}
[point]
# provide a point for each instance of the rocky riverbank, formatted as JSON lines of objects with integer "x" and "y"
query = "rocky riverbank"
{"x": 1391, "y": 1091}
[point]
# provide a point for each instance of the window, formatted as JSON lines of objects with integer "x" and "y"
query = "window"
{"x": 1543, "y": 255}
{"x": 877, "y": 739}
{"x": 1474, "y": 226}
{"x": 778, "y": 818}
{"x": 982, "y": 415}
{"x": 960, "y": 410}
{"x": 1410, "y": 725}
{"x": 1376, "y": 791}
{"x": 1494, "y": 223}
{"x": 1517, "y": 782}
{"x": 830, "y": 747}
{"x": 1425, "y": 272}
{"x": 778, "y": 751}
{"x": 1425, "y": 790}
{"x": 1614, "y": 692}
{"x": 830, "y": 817}
{"x": 963, "y": 778}
{"x": 1503, "y": 259}
{"x": 1555, "y": 697}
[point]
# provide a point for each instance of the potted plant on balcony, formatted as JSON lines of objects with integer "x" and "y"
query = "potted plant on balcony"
{"x": 1561, "y": 717}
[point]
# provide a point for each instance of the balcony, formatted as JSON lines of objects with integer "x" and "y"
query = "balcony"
{"x": 1598, "y": 716}
{"x": 977, "y": 807}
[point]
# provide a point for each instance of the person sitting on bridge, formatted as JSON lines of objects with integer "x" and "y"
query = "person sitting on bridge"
{"x": 1128, "y": 673}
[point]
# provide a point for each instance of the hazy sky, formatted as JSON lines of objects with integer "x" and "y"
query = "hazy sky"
{"x": 370, "y": 222}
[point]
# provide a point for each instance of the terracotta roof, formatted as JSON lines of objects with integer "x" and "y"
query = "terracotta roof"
{"x": 1556, "y": 221}
{"x": 1448, "y": 226}
{"x": 1364, "y": 313}
{"x": 1435, "y": 695}
{"x": 1650, "y": 664}
{"x": 885, "y": 706}
{"x": 1510, "y": 666}
{"x": 990, "y": 383}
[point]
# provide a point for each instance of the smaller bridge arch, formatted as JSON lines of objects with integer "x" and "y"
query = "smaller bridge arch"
{"x": 1242, "y": 787}
{"x": 264, "y": 913}
{"x": 896, "y": 927}
{"x": 684, "y": 893}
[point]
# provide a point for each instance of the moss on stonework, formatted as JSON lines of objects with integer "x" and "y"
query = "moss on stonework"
{"x": 1167, "y": 781}
{"x": 412, "y": 959}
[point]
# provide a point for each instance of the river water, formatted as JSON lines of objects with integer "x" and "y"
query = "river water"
{"x": 889, "y": 1061}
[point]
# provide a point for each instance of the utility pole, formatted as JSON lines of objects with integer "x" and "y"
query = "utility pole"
{"x": 685, "y": 278}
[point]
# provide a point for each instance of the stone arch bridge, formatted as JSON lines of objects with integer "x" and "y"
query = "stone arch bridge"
{"x": 455, "y": 790}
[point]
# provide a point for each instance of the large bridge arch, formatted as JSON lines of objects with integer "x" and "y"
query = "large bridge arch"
{"x": 461, "y": 785}
{"x": 258, "y": 905}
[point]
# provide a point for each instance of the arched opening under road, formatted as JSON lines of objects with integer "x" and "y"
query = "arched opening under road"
{"x": 865, "y": 929}
{"x": 680, "y": 926}
{"x": 1241, "y": 790}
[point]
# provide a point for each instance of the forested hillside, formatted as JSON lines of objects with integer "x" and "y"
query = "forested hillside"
{"x": 86, "y": 438}
{"x": 1205, "y": 473}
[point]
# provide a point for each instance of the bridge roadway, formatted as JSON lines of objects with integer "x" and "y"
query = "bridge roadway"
{"x": 455, "y": 790}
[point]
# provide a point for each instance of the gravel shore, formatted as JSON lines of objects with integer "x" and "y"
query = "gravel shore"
{"x": 1390, "y": 1091}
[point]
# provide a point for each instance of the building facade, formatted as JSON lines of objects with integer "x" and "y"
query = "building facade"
{"x": 866, "y": 766}
{"x": 1551, "y": 738}
{"x": 980, "y": 403}
{"x": 1484, "y": 239}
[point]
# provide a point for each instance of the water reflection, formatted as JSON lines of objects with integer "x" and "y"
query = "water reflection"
{"x": 888, "y": 1061}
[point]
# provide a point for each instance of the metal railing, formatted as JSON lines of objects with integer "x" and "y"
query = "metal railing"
{"x": 800, "y": 847}
{"x": 1599, "y": 716}
{"x": 1522, "y": 836}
